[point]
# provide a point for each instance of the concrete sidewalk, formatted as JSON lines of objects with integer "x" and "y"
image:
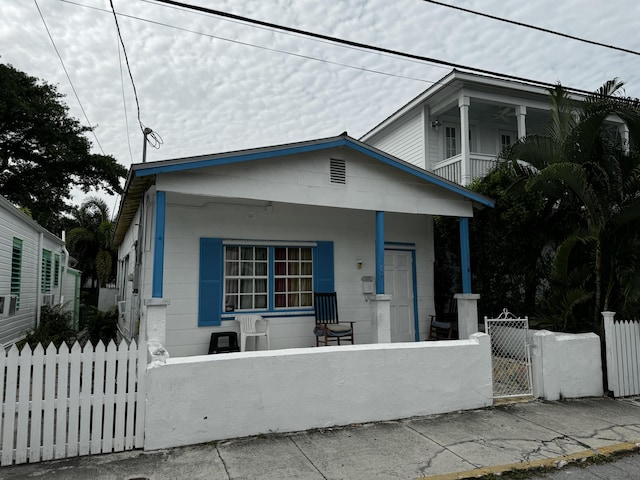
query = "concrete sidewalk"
{"x": 447, "y": 446}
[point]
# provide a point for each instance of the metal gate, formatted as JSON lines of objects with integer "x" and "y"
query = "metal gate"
{"x": 510, "y": 357}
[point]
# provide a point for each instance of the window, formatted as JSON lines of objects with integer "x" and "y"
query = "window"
{"x": 450, "y": 142}
{"x": 16, "y": 269}
{"x": 56, "y": 270}
{"x": 245, "y": 278}
{"x": 261, "y": 277}
{"x": 247, "y": 275}
{"x": 293, "y": 277}
{"x": 46, "y": 272}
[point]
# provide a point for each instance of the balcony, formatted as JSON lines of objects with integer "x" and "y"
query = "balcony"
{"x": 451, "y": 168}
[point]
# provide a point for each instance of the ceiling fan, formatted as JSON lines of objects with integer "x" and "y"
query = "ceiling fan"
{"x": 503, "y": 113}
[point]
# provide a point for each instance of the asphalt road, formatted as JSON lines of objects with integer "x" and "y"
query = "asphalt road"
{"x": 626, "y": 467}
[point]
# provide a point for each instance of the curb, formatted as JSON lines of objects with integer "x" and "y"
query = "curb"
{"x": 616, "y": 449}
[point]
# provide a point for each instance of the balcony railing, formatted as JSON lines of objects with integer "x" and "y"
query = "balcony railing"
{"x": 450, "y": 168}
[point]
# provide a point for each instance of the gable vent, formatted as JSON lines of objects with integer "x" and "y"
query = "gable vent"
{"x": 338, "y": 171}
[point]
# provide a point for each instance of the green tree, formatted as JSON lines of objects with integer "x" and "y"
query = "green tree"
{"x": 583, "y": 166}
{"x": 90, "y": 242}
{"x": 44, "y": 152}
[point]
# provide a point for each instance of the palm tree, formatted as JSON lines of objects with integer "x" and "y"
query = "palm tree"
{"x": 581, "y": 164}
{"x": 90, "y": 241}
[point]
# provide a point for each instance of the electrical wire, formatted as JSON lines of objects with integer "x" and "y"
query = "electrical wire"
{"x": 124, "y": 102}
{"x": 533, "y": 27}
{"x": 68, "y": 76}
{"x": 261, "y": 47}
{"x": 237, "y": 22}
{"x": 364, "y": 46}
{"x": 126, "y": 59}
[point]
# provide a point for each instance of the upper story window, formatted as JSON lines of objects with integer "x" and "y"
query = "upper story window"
{"x": 450, "y": 142}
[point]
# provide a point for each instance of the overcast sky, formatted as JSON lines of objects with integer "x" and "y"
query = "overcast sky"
{"x": 210, "y": 91}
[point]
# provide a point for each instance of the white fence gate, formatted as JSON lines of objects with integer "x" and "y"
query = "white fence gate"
{"x": 622, "y": 340}
{"x": 510, "y": 356}
{"x": 65, "y": 403}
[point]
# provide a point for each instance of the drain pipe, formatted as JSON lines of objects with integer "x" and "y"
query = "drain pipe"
{"x": 65, "y": 266}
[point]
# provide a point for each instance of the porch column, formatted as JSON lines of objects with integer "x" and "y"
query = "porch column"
{"x": 158, "y": 246}
{"x": 521, "y": 115}
{"x": 467, "y": 301}
{"x": 381, "y": 315}
{"x": 465, "y": 161}
{"x": 379, "y": 253}
{"x": 624, "y": 134}
{"x": 465, "y": 254}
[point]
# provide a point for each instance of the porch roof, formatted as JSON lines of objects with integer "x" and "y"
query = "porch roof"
{"x": 142, "y": 175}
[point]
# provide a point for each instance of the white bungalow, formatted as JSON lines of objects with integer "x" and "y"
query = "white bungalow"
{"x": 332, "y": 214}
{"x": 34, "y": 271}
{"x": 458, "y": 127}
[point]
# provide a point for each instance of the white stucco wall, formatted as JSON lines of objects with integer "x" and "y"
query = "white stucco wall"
{"x": 206, "y": 398}
{"x": 353, "y": 234}
{"x": 566, "y": 365}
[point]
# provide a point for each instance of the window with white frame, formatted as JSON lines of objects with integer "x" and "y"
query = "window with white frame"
{"x": 255, "y": 276}
{"x": 450, "y": 142}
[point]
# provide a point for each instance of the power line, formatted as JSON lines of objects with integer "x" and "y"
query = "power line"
{"x": 533, "y": 27}
{"x": 290, "y": 34}
{"x": 126, "y": 58}
{"x": 68, "y": 76}
{"x": 363, "y": 45}
{"x": 124, "y": 102}
{"x": 261, "y": 47}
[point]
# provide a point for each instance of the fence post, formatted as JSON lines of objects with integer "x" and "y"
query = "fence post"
{"x": 611, "y": 352}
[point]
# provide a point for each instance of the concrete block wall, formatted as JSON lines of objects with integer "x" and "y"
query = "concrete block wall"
{"x": 212, "y": 397}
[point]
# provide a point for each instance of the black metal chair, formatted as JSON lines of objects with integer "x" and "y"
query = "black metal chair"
{"x": 328, "y": 327}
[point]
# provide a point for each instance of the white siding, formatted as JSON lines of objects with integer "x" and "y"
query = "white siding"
{"x": 13, "y": 225}
{"x": 353, "y": 234}
{"x": 403, "y": 139}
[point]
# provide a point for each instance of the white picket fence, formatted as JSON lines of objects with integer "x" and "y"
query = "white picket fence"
{"x": 64, "y": 403}
{"x": 623, "y": 355}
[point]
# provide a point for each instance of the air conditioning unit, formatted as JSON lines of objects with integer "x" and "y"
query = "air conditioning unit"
{"x": 8, "y": 305}
{"x": 48, "y": 299}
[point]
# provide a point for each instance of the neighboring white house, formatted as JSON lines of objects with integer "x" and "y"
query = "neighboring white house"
{"x": 458, "y": 127}
{"x": 260, "y": 230}
{"x": 34, "y": 271}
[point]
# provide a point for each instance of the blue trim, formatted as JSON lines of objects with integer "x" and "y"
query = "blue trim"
{"x": 210, "y": 301}
{"x": 323, "y": 274}
{"x": 271, "y": 279}
{"x": 465, "y": 254}
{"x": 399, "y": 244}
{"x": 158, "y": 248}
{"x": 379, "y": 253}
{"x": 237, "y": 158}
{"x": 230, "y": 158}
{"x": 416, "y": 319}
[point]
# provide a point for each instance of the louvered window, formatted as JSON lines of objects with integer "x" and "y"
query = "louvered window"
{"x": 16, "y": 269}
{"x": 338, "y": 171}
{"x": 56, "y": 270}
{"x": 46, "y": 271}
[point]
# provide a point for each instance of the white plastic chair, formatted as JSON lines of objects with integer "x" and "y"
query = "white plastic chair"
{"x": 249, "y": 328}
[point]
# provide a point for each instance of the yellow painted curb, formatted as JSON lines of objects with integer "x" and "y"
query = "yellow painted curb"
{"x": 542, "y": 463}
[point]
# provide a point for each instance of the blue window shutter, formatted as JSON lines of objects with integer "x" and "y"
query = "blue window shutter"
{"x": 323, "y": 268}
{"x": 211, "y": 275}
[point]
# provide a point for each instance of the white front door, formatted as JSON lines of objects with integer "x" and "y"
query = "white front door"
{"x": 398, "y": 282}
